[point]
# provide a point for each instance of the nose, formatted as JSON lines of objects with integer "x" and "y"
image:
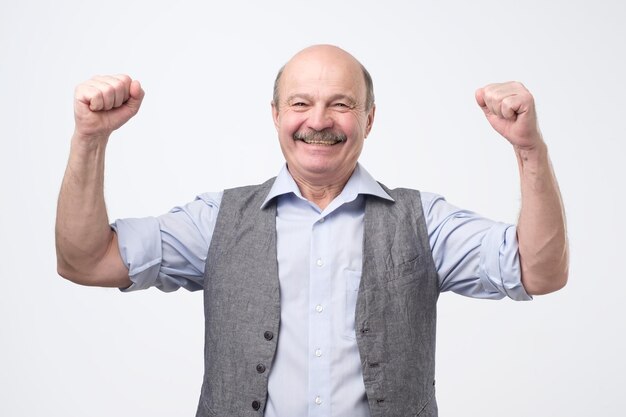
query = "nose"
{"x": 319, "y": 118}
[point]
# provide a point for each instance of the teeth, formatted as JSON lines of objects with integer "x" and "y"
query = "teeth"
{"x": 321, "y": 142}
{"x": 325, "y": 138}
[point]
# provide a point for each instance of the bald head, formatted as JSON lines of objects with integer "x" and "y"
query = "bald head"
{"x": 327, "y": 54}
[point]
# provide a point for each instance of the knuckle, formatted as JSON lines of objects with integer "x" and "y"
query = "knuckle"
{"x": 519, "y": 87}
{"x": 108, "y": 92}
{"x": 85, "y": 90}
{"x": 116, "y": 84}
{"x": 123, "y": 78}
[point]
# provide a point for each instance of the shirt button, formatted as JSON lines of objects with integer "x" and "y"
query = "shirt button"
{"x": 318, "y": 400}
{"x": 322, "y": 219}
{"x": 268, "y": 335}
{"x": 319, "y": 263}
{"x": 319, "y": 308}
{"x": 260, "y": 368}
{"x": 318, "y": 352}
{"x": 256, "y": 405}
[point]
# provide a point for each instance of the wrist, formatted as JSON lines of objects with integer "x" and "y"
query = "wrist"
{"x": 87, "y": 150}
{"x": 534, "y": 162}
{"x": 89, "y": 142}
{"x": 538, "y": 150}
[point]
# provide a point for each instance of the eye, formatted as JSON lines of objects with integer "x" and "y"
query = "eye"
{"x": 299, "y": 105}
{"x": 342, "y": 105}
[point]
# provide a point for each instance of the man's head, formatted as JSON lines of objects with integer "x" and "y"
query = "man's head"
{"x": 323, "y": 109}
{"x": 367, "y": 78}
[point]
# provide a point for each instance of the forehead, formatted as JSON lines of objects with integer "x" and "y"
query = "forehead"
{"x": 322, "y": 75}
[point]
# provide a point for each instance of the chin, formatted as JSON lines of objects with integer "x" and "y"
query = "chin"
{"x": 316, "y": 168}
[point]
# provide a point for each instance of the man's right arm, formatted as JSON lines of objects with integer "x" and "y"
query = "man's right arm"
{"x": 87, "y": 251}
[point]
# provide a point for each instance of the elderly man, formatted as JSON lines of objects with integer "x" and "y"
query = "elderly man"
{"x": 320, "y": 285}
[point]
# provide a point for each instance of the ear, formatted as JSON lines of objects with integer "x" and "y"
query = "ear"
{"x": 370, "y": 120}
{"x": 275, "y": 115}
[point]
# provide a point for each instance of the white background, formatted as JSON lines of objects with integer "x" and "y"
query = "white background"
{"x": 208, "y": 69}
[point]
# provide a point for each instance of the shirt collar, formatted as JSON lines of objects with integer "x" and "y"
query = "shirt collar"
{"x": 361, "y": 182}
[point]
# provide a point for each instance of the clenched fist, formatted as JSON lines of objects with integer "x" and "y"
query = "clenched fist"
{"x": 104, "y": 103}
{"x": 510, "y": 108}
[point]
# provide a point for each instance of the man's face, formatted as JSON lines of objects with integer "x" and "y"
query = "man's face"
{"x": 321, "y": 116}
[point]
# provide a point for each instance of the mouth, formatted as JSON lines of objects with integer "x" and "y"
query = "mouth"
{"x": 324, "y": 138}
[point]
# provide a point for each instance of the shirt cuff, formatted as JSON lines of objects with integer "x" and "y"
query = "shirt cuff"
{"x": 499, "y": 262}
{"x": 143, "y": 236}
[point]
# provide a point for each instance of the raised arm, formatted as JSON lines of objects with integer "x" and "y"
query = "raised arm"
{"x": 86, "y": 246}
{"x": 541, "y": 232}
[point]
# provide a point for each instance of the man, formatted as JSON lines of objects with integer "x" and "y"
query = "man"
{"x": 320, "y": 286}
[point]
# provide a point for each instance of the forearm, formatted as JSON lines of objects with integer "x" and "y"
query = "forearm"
{"x": 541, "y": 229}
{"x": 87, "y": 250}
{"x": 83, "y": 235}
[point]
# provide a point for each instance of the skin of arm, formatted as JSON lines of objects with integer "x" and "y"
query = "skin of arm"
{"x": 541, "y": 231}
{"x": 87, "y": 251}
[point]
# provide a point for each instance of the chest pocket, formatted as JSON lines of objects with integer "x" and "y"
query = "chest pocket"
{"x": 352, "y": 280}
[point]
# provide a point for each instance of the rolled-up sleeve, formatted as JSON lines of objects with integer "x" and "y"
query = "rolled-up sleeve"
{"x": 169, "y": 252}
{"x": 139, "y": 242}
{"x": 474, "y": 256}
{"x": 499, "y": 262}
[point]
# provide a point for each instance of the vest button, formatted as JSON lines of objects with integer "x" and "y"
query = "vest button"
{"x": 256, "y": 405}
{"x": 260, "y": 368}
{"x": 268, "y": 335}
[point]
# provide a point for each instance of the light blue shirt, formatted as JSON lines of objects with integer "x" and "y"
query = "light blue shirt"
{"x": 317, "y": 370}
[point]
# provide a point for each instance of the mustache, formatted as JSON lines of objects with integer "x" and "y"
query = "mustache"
{"x": 321, "y": 136}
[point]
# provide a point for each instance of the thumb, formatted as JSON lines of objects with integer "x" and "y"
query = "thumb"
{"x": 480, "y": 99}
{"x": 136, "y": 96}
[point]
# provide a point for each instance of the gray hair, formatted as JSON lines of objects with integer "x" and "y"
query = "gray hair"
{"x": 369, "y": 87}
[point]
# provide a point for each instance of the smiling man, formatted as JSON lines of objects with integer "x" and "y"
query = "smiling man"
{"x": 323, "y": 112}
{"x": 321, "y": 284}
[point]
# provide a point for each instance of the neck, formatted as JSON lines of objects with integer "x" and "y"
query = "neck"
{"x": 323, "y": 191}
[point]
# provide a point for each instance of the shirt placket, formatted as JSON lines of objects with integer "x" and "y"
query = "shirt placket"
{"x": 320, "y": 310}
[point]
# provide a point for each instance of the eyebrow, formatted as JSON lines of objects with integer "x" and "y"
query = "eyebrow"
{"x": 334, "y": 97}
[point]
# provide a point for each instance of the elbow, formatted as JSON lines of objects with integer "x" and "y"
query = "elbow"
{"x": 554, "y": 284}
{"x": 75, "y": 265}
{"x": 62, "y": 271}
{"x": 545, "y": 275}
{"x": 109, "y": 271}
{"x": 73, "y": 272}
{"x": 63, "y": 267}
{"x": 66, "y": 263}
{"x": 562, "y": 279}
{"x": 546, "y": 283}
{"x": 65, "y": 270}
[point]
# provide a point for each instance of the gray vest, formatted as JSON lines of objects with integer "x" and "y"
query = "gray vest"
{"x": 395, "y": 313}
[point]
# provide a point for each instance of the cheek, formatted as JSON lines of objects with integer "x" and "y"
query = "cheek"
{"x": 290, "y": 123}
{"x": 355, "y": 124}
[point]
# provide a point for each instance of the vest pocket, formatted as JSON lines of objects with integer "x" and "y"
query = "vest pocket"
{"x": 352, "y": 280}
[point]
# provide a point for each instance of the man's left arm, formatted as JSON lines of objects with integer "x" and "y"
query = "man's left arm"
{"x": 541, "y": 232}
